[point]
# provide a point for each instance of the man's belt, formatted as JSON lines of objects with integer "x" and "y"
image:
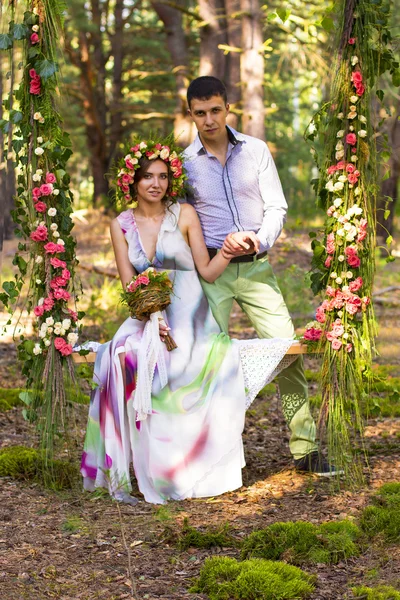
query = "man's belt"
{"x": 239, "y": 259}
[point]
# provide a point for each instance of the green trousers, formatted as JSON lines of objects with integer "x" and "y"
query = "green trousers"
{"x": 254, "y": 287}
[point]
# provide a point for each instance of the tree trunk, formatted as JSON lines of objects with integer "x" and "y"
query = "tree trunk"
{"x": 233, "y": 61}
{"x": 213, "y": 32}
{"x": 389, "y": 187}
{"x": 177, "y": 46}
{"x": 252, "y": 70}
{"x": 7, "y": 170}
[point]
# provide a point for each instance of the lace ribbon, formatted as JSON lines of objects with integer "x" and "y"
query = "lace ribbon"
{"x": 150, "y": 355}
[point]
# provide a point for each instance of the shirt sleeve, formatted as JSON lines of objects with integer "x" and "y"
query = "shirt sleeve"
{"x": 274, "y": 202}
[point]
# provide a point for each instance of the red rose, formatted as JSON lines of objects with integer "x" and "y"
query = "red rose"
{"x": 46, "y": 189}
{"x": 352, "y": 41}
{"x": 36, "y": 192}
{"x": 38, "y": 310}
{"x": 56, "y": 262}
{"x": 356, "y": 77}
{"x": 32, "y": 73}
{"x": 351, "y": 139}
{"x": 175, "y": 163}
{"x": 50, "y": 178}
{"x": 34, "y": 86}
{"x": 52, "y": 248}
{"x": 40, "y": 207}
{"x": 34, "y": 38}
{"x": 312, "y": 334}
{"x": 59, "y": 343}
{"x": 350, "y": 168}
{"x": 360, "y": 89}
{"x": 66, "y": 350}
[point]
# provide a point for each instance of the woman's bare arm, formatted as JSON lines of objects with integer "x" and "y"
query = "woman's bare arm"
{"x": 190, "y": 227}
{"x": 124, "y": 266}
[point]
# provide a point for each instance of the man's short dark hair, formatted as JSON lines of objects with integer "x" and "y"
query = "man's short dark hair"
{"x": 203, "y": 88}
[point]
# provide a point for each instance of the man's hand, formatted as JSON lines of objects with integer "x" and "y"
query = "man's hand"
{"x": 240, "y": 243}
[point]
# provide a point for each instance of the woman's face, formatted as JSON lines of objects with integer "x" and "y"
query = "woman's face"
{"x": 154, "y": 184}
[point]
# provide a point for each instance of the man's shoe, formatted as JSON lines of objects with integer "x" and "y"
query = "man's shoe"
{"x": 315, "y": 463}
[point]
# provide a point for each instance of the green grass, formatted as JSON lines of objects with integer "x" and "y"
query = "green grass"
{"x": 383, "y": 517}
{"x": 21, "y": 462}
{"x": 299, "y": 542}
{"x": 223, "y": 578}
{"x": 10, "y": 397}
{"x": 193, "y": 538}
{"x": 72, "y": 524}
{"x": 382, "y": 592}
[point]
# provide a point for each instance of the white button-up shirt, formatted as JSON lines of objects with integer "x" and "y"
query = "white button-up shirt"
{"x": 244, "y": 195}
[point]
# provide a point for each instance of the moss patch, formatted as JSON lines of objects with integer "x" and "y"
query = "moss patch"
{"x": 21, "y": 462}
{"x": 383, "y": 517}
{"x": 298, "y": 542}
{"x": 382, "y": 592}
{"x": 10, "y": 398}
{"x": 223, "y": 578}
{"x": 193, "y": 538}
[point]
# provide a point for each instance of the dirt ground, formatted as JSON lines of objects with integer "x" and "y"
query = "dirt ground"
{"x": 71, "y": 545}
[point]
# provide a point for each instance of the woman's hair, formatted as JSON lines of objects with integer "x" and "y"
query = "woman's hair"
{"x": 145, "y": 163}
{"x": 203, "y": 88}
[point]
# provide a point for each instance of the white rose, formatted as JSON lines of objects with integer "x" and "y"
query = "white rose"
{"x": 56, "y": 191}
{"x": 338, "y": 185}
{"x": 345, "y": 336}
{"x": 354, "y": 60}
{"x": 350, "y": 236}
{"x": 42, "y": 333}
{"x": 62, "y": 331}
{"x": 333, "y": 275}
{"x": 340, "y": 232}
{"x": 49, "y": 321}
{"x": 336, "y": 214}
{"x": 354, "y": 99}
{"x": 349, "y": 275}
{"x": 339, "y": 145}
{"x": 142, "y": 145}
{"x": 353, "y": 108}
{"x": 347, "y": 226}
{"x": 39, "y": 140}
{"x": 339, "y": 242}
{"x": 41, "y": 120}
{"x": 37, "y": 350}
{"x": 354, "y": 158}
{"x": 340, "y": 115}
{"x": 36, "y": 177}
{"x": 351, "y": 128}
{"x": 38, "y": 281}
{"x": 340, "y": 133}
{"x": 341, "y": 258}
{"x": 56, "y": 234}
{"x": 39, "y": 151}
{"x": 338, "y": 280}
{"x": 341, "y": 219}
{"x": 39, "y": 171}
{"x": 362, "y": 119}
{"x": 50, "y": 330}
{"x": 345, "y": 288}
{"x": 164, "y": 154}
{"x": 66, "y": 323}
{"x": 362, "y": 133}
{"x": 54, "y": 226}
{"x": 41, "y": 300}
{"x": 339, "y": 154}
{"x": 52, "y": 212}
{"x": 357, "y": 209}
{"x": 37, "y": 116}
{"x": 35, "y": 28}
{"x": 61, "y": 242}
{"x": 57, "y": 330}
{"x": 352, "y": 115}
{"x": 46, "y": 342}
{"x": 337, "y": 202}
{"x": 329, "y": 186}
{"x": 39, "y": 260}
{"x": 138, "y": 154}
{"x": 72, "y": 338}
{"x": 340, "y": 313}
{"x": 342, "y": 178}
{"x": 357, "y": 191}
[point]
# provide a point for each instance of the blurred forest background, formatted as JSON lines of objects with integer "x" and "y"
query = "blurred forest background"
{"x": 126, "y": 64}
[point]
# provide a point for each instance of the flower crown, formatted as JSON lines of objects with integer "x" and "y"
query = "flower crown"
{"x": 167, "y": 152}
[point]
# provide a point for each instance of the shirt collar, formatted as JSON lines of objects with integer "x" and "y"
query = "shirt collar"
{"x": 197, "y": 147}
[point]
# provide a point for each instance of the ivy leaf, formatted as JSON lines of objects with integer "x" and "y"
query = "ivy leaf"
{"x": 33, "y": 51}
{"x": 5, "y": 41}
{"x": 20, "y": 263}
{"x": 386, "y": 214}
{"x": 30, "y": 18}
{"x": 312, "y": 234}
{"x": 46, "y": 68}
{"x": 17, "y": 145}
{"x": 19, "y": 31}
{"x": 16, "y": 116}
{"x": 327, "y": 23}
{"x": 4, "y": 298}
{"x": 386, "y": 175}
{"x": 380, "y": 94}
{"x": 283, "y": 14}
{"x": 26, "y": 398}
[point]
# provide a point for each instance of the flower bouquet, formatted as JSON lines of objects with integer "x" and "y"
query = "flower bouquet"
{"x": 148, "y": 293}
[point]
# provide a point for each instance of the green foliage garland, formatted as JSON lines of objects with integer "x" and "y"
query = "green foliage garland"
{"x": 46, "y": 256}
{"x": 343, "y": 261}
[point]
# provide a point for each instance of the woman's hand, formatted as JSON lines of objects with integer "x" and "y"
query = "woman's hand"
{"x": 163, "y": 329}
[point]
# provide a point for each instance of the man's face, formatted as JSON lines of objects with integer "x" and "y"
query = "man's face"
{"x": 209, "y": 117}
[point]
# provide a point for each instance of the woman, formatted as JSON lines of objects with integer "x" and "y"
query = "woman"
{"x": 190, "y": 445}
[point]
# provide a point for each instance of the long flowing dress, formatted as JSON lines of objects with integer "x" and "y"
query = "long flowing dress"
{"x": 190, "y": 445}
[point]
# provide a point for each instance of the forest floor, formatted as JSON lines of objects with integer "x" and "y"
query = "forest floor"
{"x": 72, "y": 545}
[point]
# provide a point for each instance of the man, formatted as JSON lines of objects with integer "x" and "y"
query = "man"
{"x": 237, "y": 191}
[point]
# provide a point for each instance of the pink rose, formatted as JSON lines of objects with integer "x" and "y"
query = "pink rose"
{"x": 141, "y": 280}
{"x": 52, "y": 248}
{"x": 320, "y": 315}
{"x": 36, "y": 193}
{"x": 330, "y": 337}
{"x": 361, "y": 236}
{"x": 129, "y": 164}
{"x": 73, "y": 314}
{"x": 56, "y": 262}
{"x": 126, "y": 178}
{"x": 349, "y": 347}
{"x": 352, "y": 178}
{"x": 351, "y": 139}
{"x": 66, "y": 350}
{"x": 352, "y": 41}
{"x": 34, "y": 85}
{"x": 365, "y": 300}
{"x": 312, "y": 334}
{"x": 330, "y": 291}
{"x": 337, "y": 330}
{"x": 40, "y": 207}
{"x": 59, "y": 343}
{"x": 352, "y": 309}
{"x": 360, "y": 89}
{"x": 175, "y": 163}
{"x": 38, "y": 310}
{"x": 48, "y": 303}
{"x": 32, "y": 73}
{"x": 50, "y": 178}
{"x": 135, "y": 148}
{"x": 330, "y": 211}
{"x": 328, "y": 262}
{"x": 158, "y": 146}
{"x": 336, "y": 344}
{"x": 331, "y": 169}
{"x": 34, "y": 38}
{"x": 66, "y": 274}
{"x": 341, "y": 165}
{"x": 58, "y": 294}
{"x": 40, "y": 234}
{"x": 355, "y": 285}
{"x": 353, "y": 261}
{"x": 177, "y": 173}
{"x": 356, "y": 77}
{"x": 46, "y": 189}
{"x": 350, "y": 168}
